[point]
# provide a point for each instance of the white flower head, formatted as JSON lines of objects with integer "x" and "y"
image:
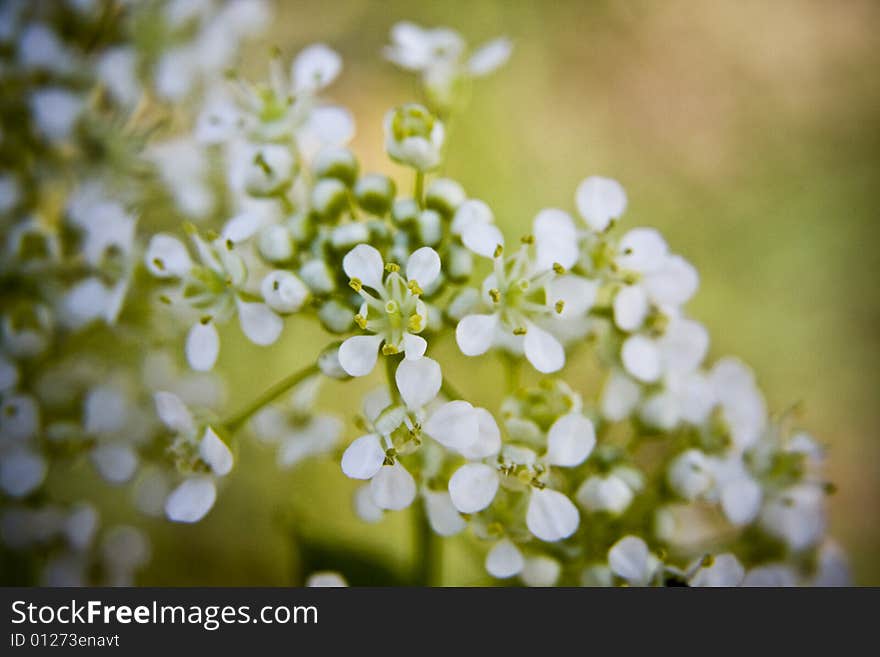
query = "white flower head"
{"x": 392, "y": 310}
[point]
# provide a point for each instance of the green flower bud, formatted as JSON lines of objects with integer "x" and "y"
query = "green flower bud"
{"x": 275, "y": 243}
{"x": 328, "y": 363}
{"x": 338, "y": 163}
{"x": 414, "y": 137}
{"x": 445, "y": 195}
{"x": 405, "y": 212}
{"x": 430, "y": 227}
{"x": 329, "y": 197}
{"x": 348, "y": 235}
{"x": 459, "y": 263}
{"x": 317, "y": 276}
{"x": 375, "y": 193}
{"x": 302, "y": 227}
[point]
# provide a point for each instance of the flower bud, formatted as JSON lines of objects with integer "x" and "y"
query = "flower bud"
{"x": 275, "y": 243}
{"x": 336, "y": 317}
{"x": 317, "y": 275}
{"x": 405, "y": 212}
{"x": 414, "y": 137}
{"x": 284, "y": 292}
{"x": 459, "y": 264}
{"x": 430, "y": 227}
{"x": 348, "y": 235}
{"x": 27, "y": 330}
{"x": 375, "y": 193}
{"x": 444, "y": 195}
{"x": 302, "y": 227}
{"x": 338, "y": 163}
{"x": 329, "y": 197}
{"x": 328, "y": 363}
{"x": 270, "y": 170}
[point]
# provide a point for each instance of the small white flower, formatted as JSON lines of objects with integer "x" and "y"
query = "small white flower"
{"x": 395, "y": 315}
{"x": 796, "y": 515}
{"x": 314, "y": 68}
{"x": 414, "y": 137}
{"x": 689, "y": 475}
{"x": 283, "y": 292}
{"x": 608, "y": 493}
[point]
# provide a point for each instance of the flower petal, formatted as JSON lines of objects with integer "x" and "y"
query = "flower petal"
{"x": 741, "y": 500}
{"x": 418, "y": 381}
{"x": 423, "y": 267}
{"x": 454, "y": 425}
{"x": 393, "y": 487}
{"x": 442, "y": 514}
{"x": 473, "y": 487}
{"x": 504, "y": 560}
{"x": 488, "y": 442}
{"x": 190, "y": 501}
{"x": 283, "y": 292}
{"x": 551, "y": 516}
{"x": 543, "y": 350}
{"x": 641, "y": 358}
{"x": 577, "y": 294}
{"x": 630, "y": 307}
{"x": 202, "y": 346}
{"x": 364, "y": 263}
{"x": 476, "y": 333}
{"x": 21, "y": 472}
{"x": 215, "y": 453}
{"x": 482, "y": 238}
{"x": 643, "y": 250}
{"x": 599, "y": 200}
{"x": 364, "y": 457}
{"x": 414, "y": 346}
{"x": 555, "y": 239}
{"x": 570, "y": 440}
{"x": 174, "y": 413}
{"x": 314, "y": 68}
{"x": 115, "y": 462}
{"x": 259, "y": 322}
{"x": 358, "y": 354}
{"x": 489, "y": 57}
{"x": 629, "y": 558}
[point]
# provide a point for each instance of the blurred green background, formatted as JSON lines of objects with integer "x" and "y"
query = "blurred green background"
{"x": 748, "y": 132}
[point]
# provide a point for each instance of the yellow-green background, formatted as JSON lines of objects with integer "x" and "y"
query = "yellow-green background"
{"x": 746, "y": 131}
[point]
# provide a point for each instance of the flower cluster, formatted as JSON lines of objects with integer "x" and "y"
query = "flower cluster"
{"x": 672, "y": 471}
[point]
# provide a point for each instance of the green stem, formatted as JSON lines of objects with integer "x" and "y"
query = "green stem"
{"x": 428, "y": 550}
{"x": 235, "y": 422}
{"x": 419, "y": 189}
{"x": 391, "y": 363}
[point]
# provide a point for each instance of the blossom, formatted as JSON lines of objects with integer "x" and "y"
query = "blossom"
{"x": 414, "y": 137}
{"x": 201, "y": 451}
{"x": 393, "y": 312}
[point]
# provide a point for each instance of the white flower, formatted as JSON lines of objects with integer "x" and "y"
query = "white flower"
{"x": 630, "y": 559}
{"x": 314, "y": 68}
{"x": 504, "y": 560}
{"x": 605, "y": 493}
{"x": 742, "y": 403}
{"x": 796, "y": 515}
{"x": 689, "y": 475}
{"x": 723, "y": 570}
{"x": 521, "y": 294}
{"x": 600, "y": 201}
{"x": 395, "y": 315}
{"x": 414, "y": 137}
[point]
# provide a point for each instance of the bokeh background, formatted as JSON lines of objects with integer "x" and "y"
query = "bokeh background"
{"x": 747, "y": 131}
